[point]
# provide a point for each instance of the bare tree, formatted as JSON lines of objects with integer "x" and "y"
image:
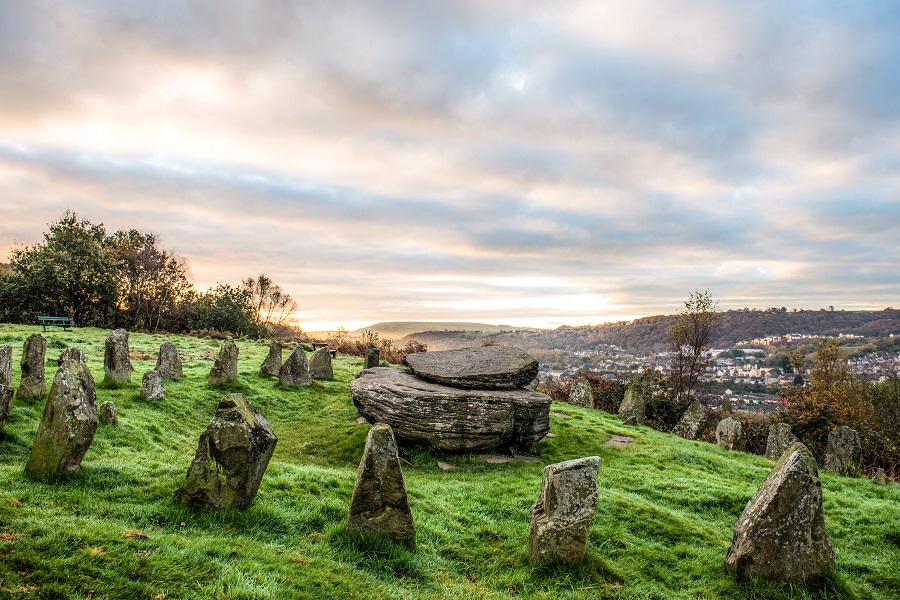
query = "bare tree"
{"x": 689, "y": 339}
{"x": 270, "y": 303}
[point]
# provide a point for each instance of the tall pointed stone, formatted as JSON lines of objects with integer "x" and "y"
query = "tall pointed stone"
{"x": 561, "y": 517}
{"x": 168, "y": 364}
{"x": 68, "y": 422}
{"x": 780, "y": 439}
{"x": 295, "y": 370}
{"x": 692, "y": 421}
{"x": 379, "y": 503}
{"x": 320, "y": 364}
{"x": 844, "y": 453}
{"x": 730, "y": 434}
{"x": 634, "y": 406}
{"x": 781, "y": 534}
{"x": 272, "y": 364}
{"x": 225, "y": 369}
{"x": 34, "y": 353}
{"x": 6, "y": 365}
{"x": 581, "y": 394}
{"x": 231, "y": 458}
{"x": 116, "y": 363}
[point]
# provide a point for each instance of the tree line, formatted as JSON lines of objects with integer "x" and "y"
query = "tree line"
{"x": 128, "y": 279}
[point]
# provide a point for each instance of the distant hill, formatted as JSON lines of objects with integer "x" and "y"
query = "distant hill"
{"x": 400, "y": 329}
{"x": 650, "y": 333}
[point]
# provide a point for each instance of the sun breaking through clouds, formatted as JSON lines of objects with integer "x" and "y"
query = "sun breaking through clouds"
{"x": 515, "y": 162}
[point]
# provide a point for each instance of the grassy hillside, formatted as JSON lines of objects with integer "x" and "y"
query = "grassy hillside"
{"x": 662, "y": 527}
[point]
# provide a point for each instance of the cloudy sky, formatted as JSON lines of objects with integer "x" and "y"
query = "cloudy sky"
{"x": 508, "y": 162}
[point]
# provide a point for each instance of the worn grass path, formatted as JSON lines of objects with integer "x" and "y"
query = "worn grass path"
{"x": 662, "y": 527}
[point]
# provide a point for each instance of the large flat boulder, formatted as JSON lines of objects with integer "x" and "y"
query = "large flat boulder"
{"x": 450, "y": 418}
{"x": 484, "y": 368}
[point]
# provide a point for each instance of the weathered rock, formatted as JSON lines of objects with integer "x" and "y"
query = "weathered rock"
{"x": 450, "y": 418}
{"x": 34, "y": 353}
{"x": 6, "y": 396}
{"x": 692, "y": 421}
{"x": 116, "y": 363}
{"x": 6, "y": 365}
{"x": 730, "y": 434}
{"x": 781, "y": 534}
{"x": 481, "y": 368}
{"x": 633, "y": 406}
{"x": 844, "y": 453}
{"x": 168, "y": 364}
{"x": 880, "y": 477}
{"x": 372, "y": 356}
{"x": 561, "y": 517}
{"x": 225, "y": 369}
{"x": 70, "y": 354}
{"x": 152, "y": 386}
{"x": 320, "y": 364}
{"x": 581, "y": 394}
{"x": 68, "y": 422}
{"x": 780, "y": 439}
{"x": 108, "y": 412}
{"x": 231, "y": 458}
{"x": 379, "y": 503}
{"x": 272, "y": 364}
{"x": 295, "y": 370}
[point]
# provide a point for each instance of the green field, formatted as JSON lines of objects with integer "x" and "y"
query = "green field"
{"x": 662, "y": 527}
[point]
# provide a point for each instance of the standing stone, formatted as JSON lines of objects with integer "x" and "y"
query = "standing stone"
{"x": 295, "y": 370}
{"x": 880, "y": 477}
{"x": 633, "y": 407}
{"x": 320, "y": 364}
{"x": 34, "y": 352}
{"x": 844, "y": 454}
{"x": 581, "y": 393}
{"x": 372, "y": 356}
{"x": 272, "y": 364}
{"x": 168, "y": 364}
{"x": 692, "y": 421}
{"x": 780, "y": 439}
{"x": 561, "y": 517}
{"x": 379, "y": 502}
{"x": 225, "y": 368}
{"x": 152, "y": 387}
{"x": 6, "y": 396}
{"x": 781, "y": 534}
{"x": 231, "y": 458}
{"x": 70, "y": 354}
{"x": 6, "y": 365}
{"x": 68, "y": 422}
{"x": 116, "y": 363}
{"x": 108, "y": 412}
{"x": 729, "y": 434}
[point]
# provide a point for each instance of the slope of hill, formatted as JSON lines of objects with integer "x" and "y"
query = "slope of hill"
{"x": 663, "y": 522}
{"x": 399, "y": 329}
{"x": 650, "y": 333}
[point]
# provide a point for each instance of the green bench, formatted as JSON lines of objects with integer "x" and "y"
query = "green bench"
{"x": 56, "y": 322}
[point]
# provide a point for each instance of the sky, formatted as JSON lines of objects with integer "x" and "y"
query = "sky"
{"x": 526, "y": 163}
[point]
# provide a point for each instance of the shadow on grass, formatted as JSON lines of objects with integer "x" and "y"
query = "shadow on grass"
{"x": 831, "y": 586}
{"x": 590, "y": 572}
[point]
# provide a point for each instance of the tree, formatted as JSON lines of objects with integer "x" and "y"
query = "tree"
{"x": 270, "y": 303}
{"x": 689, "y": 339}
{"x": 227, "y": 309}
{"x": 70, "y": 273}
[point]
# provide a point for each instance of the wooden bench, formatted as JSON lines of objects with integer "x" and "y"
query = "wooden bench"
{"x": 56, "y": 322}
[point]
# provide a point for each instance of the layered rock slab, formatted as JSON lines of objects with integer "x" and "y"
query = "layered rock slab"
{"x": 561, "y": 517}
{"x": 450, "y": 418}
{"x": 231, "y": 458}
{"x": 68, "y": 422}
{"x": 484, "y": 367}
{"x": 781, "y": 534}
{"x": 379, "y": 503}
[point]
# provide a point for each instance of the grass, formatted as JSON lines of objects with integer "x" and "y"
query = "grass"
{"x": 111, "y": 530}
